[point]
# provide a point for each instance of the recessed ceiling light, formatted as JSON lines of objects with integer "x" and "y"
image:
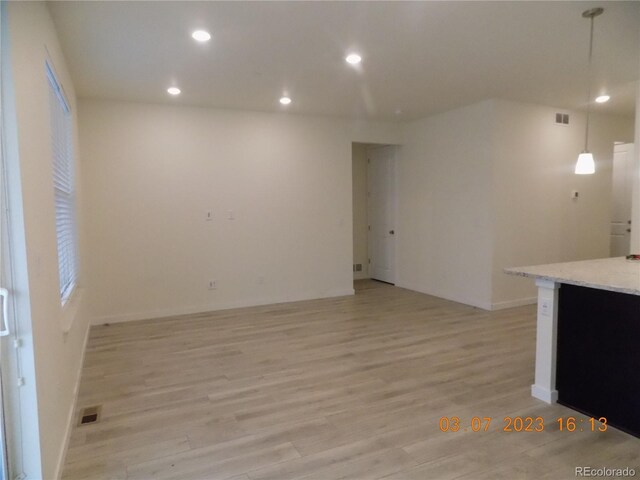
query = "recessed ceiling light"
{"x": 173, "y": 91}
{"x": 353, "y": 58}
{"x": 201, "y": 36}
{"x": 603, "y": 98}
{"x": 285, "y": 100}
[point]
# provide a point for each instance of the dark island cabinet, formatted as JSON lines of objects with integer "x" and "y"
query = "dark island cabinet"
{"x": 598, "y": 362}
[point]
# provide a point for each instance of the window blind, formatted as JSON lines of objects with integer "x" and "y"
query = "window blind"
{"x": 64, "y": 188}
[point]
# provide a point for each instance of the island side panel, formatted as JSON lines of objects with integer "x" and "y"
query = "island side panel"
{"x": 544, "y": 387}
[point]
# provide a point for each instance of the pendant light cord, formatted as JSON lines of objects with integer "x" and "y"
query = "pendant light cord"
{"x": 589, "y": 77}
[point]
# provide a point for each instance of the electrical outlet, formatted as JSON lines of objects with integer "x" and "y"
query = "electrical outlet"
{"x": 213, "y": 285}
{"x": 544, "y": 307}
{"x": 209, "y": 216}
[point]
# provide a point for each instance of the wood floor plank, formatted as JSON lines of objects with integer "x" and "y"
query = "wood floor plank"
{"x": 197, "y": 465}
{"x": 350, "y": 387}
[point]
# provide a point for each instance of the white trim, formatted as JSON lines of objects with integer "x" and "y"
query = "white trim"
{"x": 72, "y": 412}
{"x": 519, "y": 302}
{"x": 544, "y": 387}
{"x": 454, "y": 298}
{"x": 544, "y": 394}
{"x": 545, "y": 283}
{"x": 213, "y": 307}
{"x": 635, "y": 205}
{"x": 25, "y": 421}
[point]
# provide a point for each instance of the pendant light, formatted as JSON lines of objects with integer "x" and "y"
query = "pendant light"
{"x": 585, "y": 164}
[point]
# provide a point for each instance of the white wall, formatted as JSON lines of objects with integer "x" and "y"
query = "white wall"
{"x": 488, "y": 186}
{"x": 360, "y": 214}
{"x": 535, "y": 220}
{"x": 153, "y": 171}
{"x": 58, "y": 334}
{"x": 444, "y": 206}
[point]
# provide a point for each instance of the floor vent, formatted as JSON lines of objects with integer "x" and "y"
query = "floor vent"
{"x": 90, "y": 415}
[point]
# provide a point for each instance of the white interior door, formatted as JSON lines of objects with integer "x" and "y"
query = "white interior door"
{"x": 382, "y": 212}
{"x": 622, "y": 189}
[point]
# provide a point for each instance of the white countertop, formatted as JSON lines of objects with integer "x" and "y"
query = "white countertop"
{"x": 614, "y": 274}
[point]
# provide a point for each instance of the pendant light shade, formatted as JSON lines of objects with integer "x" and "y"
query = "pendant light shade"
{"x": 586, "y": 164}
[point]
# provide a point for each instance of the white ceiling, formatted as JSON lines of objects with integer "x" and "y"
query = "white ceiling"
{"x": 418, "y": 57}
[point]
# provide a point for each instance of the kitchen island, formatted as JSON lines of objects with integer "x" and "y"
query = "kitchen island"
{"x": 588, "y": 338}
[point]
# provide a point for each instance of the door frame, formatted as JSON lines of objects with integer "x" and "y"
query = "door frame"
{"x": 21, "y": 407}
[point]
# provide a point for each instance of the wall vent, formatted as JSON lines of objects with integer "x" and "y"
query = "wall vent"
{"x": 90, "y": 415}
{"x": 357, "y": 267}
{"x": 562, "y": 119}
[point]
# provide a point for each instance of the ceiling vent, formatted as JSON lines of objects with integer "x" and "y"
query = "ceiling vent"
{"x": 562, "y": 119}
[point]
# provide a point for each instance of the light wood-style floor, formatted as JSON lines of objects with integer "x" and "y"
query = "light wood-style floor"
{"x": 346, "y": 388}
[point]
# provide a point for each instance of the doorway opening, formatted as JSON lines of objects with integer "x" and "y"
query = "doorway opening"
{"x": 374, "y": 211}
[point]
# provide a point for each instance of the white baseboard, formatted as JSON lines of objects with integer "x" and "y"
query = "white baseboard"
{"x": 361, "y": 276}
{"x": 72, "y": 412}
{"x": 213, "y": 307}
{"x": 544, "y": 394}
{"x": 454, "y": 297}
{"x": 520, "y": 302}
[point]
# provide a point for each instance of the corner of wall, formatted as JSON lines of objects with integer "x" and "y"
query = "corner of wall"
{"x": 444, "y": 199}
{"x": 534, "y": 220}
{"x": 72, "y": 408}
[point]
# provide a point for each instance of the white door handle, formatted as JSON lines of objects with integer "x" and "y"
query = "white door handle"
{"x": 4, "y": 293}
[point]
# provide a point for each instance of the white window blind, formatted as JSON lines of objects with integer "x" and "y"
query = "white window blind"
{"x": 64, "y": 188}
